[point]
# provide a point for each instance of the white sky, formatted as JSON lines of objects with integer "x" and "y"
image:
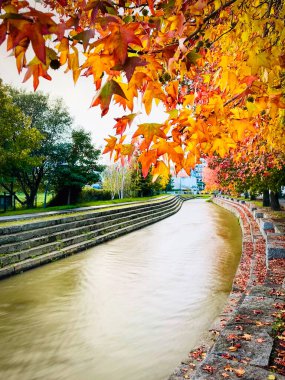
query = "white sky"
{"x": 77, "y": 98}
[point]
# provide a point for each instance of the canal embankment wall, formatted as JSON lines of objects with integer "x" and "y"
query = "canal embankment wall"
{"x": 242, "y": 342}
{"x": 30, "y": 242}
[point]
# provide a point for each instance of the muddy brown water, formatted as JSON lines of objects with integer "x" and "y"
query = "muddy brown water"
{"x": 128, "y": 309}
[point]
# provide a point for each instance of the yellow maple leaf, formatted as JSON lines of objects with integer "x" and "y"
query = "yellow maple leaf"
{"x": 160, "y": 170}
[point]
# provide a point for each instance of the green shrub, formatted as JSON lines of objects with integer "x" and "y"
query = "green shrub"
{"x": 89, "y": 195}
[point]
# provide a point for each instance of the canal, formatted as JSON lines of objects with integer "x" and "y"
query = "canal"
{"x": 128, "y": 309}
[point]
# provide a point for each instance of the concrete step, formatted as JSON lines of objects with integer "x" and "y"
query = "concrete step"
{"x": 56, "y": 244}
{"x": 58, "y": 220}
{"x": 29, "y": 239}
{"x": 39, "y": 215}
{"x": 50, "y": 252}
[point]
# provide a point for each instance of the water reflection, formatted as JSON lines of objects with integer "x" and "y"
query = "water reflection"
{"x": 130, "y": 308}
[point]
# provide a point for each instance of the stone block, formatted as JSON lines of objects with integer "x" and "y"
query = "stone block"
{"x": 7, "y": 271}
{"x": 257, "y": 347}
{"x": 257, "y": 214}
{"x": 215, "y": 367}
{"x": 266, "y": 224}
{"x": 275, "y": 251}
{"x": 251, "y": 206}
{"x": 255, "y": 309}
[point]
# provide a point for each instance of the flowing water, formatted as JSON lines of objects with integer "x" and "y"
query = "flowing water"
{"x": 128, "y": 309}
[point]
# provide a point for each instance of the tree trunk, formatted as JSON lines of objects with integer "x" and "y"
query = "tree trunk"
{"x": 68, "y": 196}
{"x": 30, "y": 184}
{"x": 266, "y": 198}
{"x": 274, "y": 201}
{"x": 30, "y": 202}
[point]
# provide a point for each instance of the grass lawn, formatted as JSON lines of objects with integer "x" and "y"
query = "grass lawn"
{"x": 204, "y": 196}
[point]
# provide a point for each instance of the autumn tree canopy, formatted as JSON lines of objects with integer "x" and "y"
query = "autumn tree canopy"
{"x": 218, "y": 68}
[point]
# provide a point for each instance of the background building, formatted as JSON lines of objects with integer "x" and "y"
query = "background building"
{"x": 193, "y": 183}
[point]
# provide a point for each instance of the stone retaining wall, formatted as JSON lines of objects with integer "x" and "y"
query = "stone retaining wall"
{"x": 240, "y": 342}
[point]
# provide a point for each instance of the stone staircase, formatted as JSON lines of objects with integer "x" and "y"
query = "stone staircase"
{"x": 28, "y": 245}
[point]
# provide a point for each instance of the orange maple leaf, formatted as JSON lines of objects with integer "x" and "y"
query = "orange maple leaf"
{"x": 123, "y": 122}
{"x": 148, "y": 131}
{"x": 127, "y": 150}
{"x": 105, "y": 95}
{"x": 147, "y": 158}
{"x": 153, "y": 91}
{"x": 111, "y": 144}
{"x": 33, "y": 25}
{"x": 3, "y": 32}
{"x": 189, "y": 162}
{"x": 130, "y": 65}
{"x": 151, "y": 6}
{"x": 36, "y": 69}
{"x": 117, "y": 42}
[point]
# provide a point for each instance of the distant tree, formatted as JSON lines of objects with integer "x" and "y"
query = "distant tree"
{"x": 117, "y": 179}
{"x": 210, "y": 178}
{"x": 264, "y": 175}
{"x": 19, "y": 140}
{"x": 170, "y": 184}
{"x": 52, "y": 120}
{"x": 145, "y": 186}
{"x": 73, "y": 165}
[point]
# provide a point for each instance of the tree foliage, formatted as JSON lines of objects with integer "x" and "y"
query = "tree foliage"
{"x": 52, "y": 121}
{"x": 210, "y": 178}
{"x": 257, "y": 174}
{"x": 19, "y": 139}
{"x": 128, "y": 181}
{"x": 148, "y": 185}
{"x": 216, "y": 66}
{"x": 74, "y": 164}
{"x": 118, "y": 181}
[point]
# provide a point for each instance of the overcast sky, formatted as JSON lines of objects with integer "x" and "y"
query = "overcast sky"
{"x": 78, "y": 99}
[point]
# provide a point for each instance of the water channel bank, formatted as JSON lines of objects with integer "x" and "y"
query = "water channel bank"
{"x": 245, "y": 342}
{"x": 126, "y": 309}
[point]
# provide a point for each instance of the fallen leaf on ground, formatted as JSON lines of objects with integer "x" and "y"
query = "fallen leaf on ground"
{"x": 239, "y": 372}
{"x": 260, "y": 340}
{"x": 246, "y": 336}
{"x": 208, "y": 368}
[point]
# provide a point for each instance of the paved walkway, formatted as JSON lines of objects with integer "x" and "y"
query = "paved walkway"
{"x": 248, "y": 339}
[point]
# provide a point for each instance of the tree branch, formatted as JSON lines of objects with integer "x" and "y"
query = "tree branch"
{"x": 226, "y": 32}
{"x": 129, "y": 7}
{"x": 209, "y": 17}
